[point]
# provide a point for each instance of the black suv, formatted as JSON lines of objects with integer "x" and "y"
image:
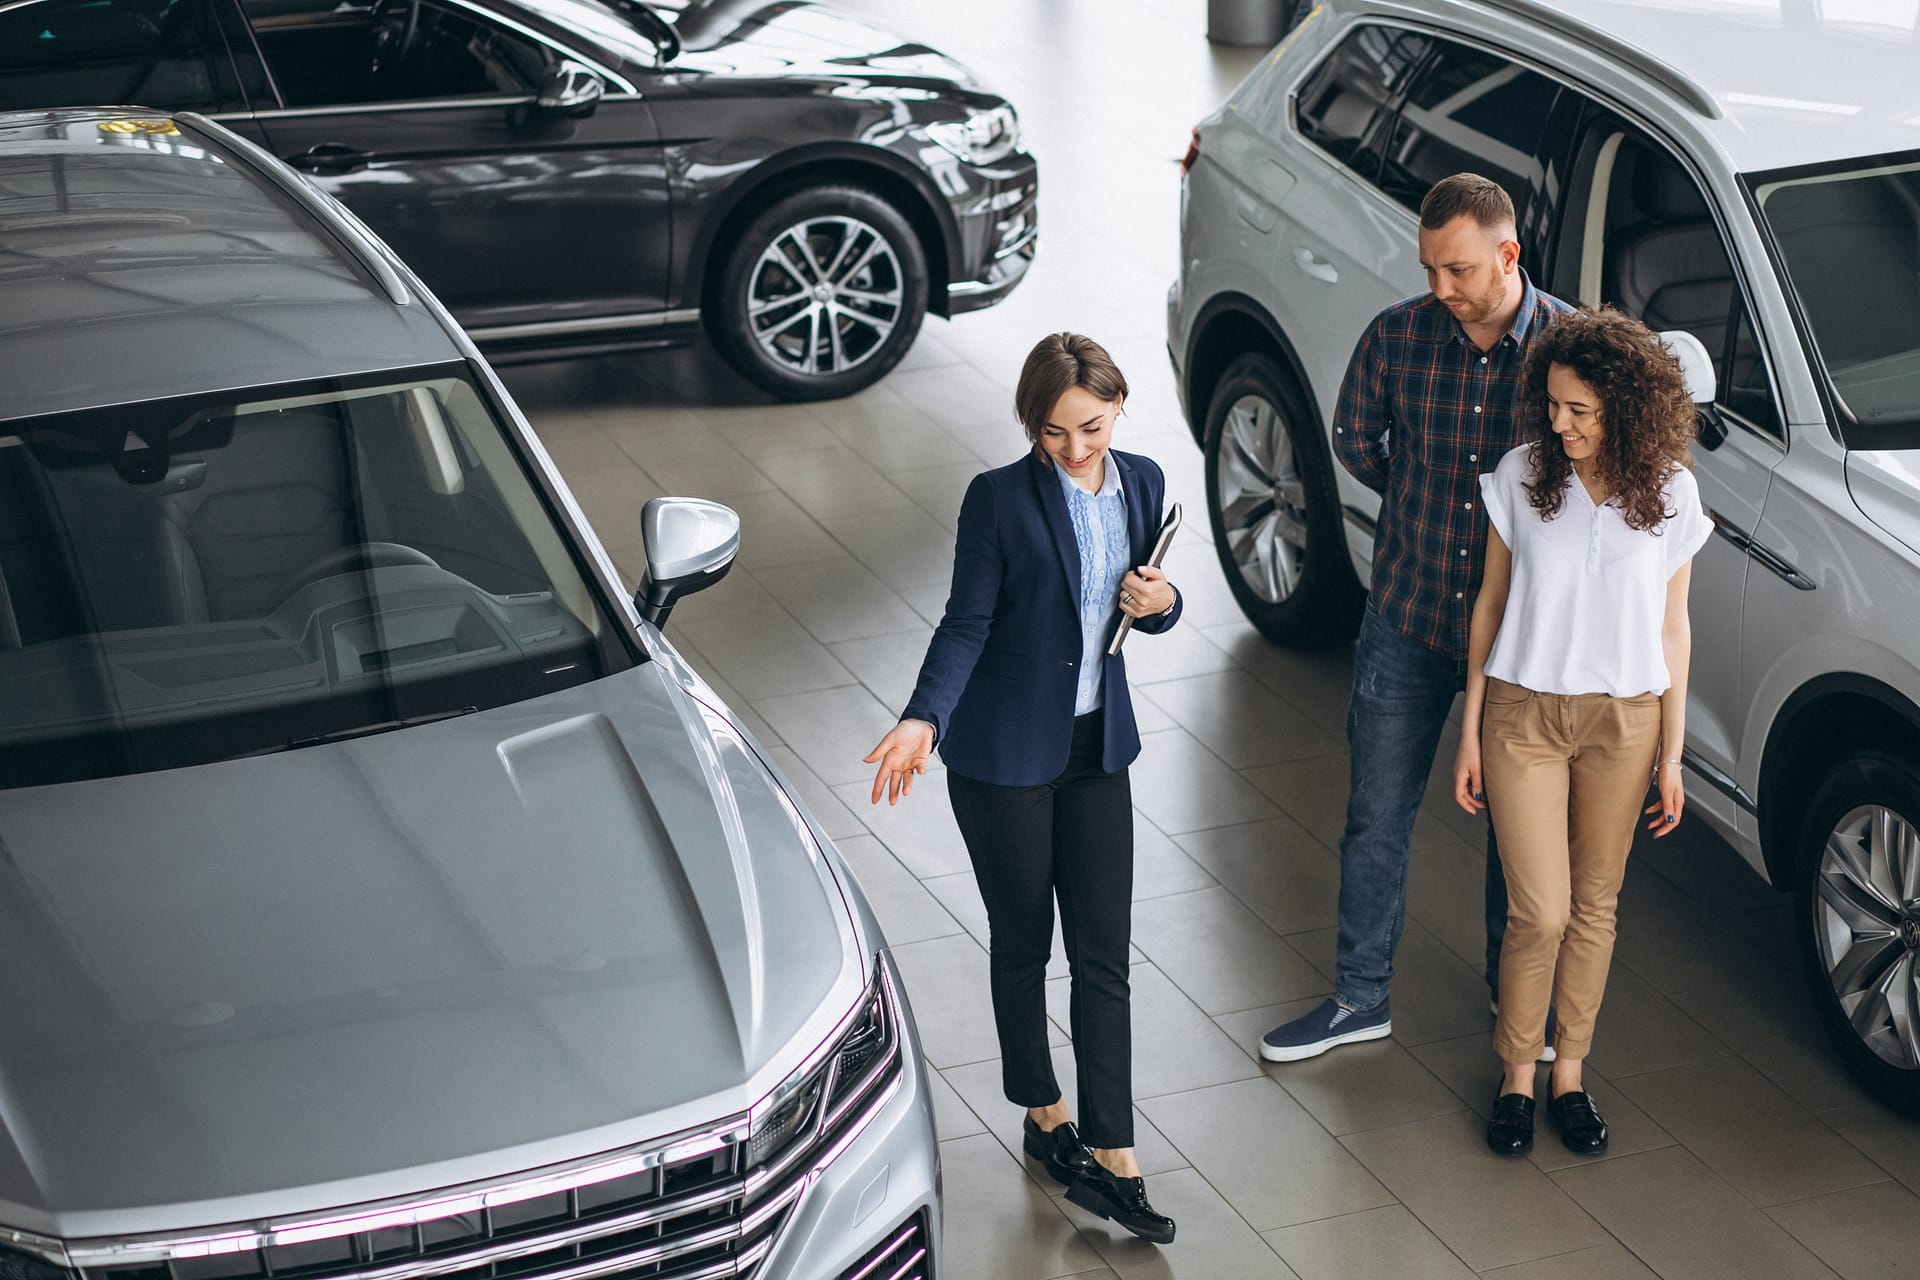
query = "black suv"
{"x": 589, "y": 175}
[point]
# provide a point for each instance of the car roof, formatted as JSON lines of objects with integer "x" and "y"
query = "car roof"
{"x": 1783, "y": 85}
{"x": 144, "y": 255}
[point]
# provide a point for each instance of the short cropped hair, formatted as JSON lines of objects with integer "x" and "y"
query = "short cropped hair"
{"x": 1058, "y": 362}
{"x": 1482, "y": 199}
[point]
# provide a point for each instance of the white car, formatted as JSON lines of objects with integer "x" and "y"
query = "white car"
{"x": 1711, "y": 171}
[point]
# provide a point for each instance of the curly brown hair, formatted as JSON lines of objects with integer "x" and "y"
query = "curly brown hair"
{"x": 1645, "y": 409}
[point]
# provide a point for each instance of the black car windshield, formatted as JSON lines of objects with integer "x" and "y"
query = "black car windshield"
{"x": 193, "y": 579}
{"x": 1849, "y": 236}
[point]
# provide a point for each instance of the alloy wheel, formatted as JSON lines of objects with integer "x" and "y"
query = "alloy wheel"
{"x": 1263, "y": 501}
{"x": 825, "y": 295}
{"x": 1867, "y": 923}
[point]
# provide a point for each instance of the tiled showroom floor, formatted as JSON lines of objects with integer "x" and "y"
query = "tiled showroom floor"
{"x": 1740, "y": 1149}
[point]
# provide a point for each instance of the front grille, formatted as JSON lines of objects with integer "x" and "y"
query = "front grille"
{"x": 687, "y": 1219}
{"x": 705, "y": 1205}
{"x": 904, "y": 1255}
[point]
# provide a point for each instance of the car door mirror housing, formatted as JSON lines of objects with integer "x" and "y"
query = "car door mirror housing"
{"x": 1695, "y": 363}
{"x": 571, "y": 89}
{"x": 690, "y": 544}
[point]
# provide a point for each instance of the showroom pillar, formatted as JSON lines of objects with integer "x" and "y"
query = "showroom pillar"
{"x": 1252, "y": 22}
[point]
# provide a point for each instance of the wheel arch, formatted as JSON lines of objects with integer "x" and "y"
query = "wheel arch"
{"x": 1823, "y": 719}
{"x": 830, "y": 164}
{"x": 1229, "y": 326}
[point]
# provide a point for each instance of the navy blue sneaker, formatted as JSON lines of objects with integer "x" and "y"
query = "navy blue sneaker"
{"x": 1547, "y": 1054}
{"x": 1329, "y": 1025}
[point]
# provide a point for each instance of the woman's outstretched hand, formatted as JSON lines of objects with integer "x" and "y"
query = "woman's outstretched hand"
{"x": 900, "y": 755}
{"x": 1468, "y": 792}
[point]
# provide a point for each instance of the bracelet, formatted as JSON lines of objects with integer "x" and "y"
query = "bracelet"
{"x": 1657, "y": 764}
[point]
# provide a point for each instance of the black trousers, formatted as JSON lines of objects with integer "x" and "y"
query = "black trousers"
{"x": 1070, "y": 839}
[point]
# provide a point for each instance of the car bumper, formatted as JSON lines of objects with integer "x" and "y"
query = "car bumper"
{"x": 1174, "y": 342}
{"x": 998, "y": 216}
{"x": 879, "y": 1196}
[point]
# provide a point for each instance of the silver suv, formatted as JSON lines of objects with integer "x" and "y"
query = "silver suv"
{"x": 1757, "y": 188}
{"x": 381, "y": 897}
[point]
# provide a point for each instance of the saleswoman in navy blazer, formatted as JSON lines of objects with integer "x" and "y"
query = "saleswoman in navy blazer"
{"x": 1036, "y": 727}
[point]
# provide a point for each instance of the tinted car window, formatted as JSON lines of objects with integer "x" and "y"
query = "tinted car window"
{"x": 59, "y": 53}
{"x": 1348, "y": 93}
{"x": 1849, "y": 238}
{"x": 324, "y": 54}
{"x": 1468, "y": 110}
{"x": 1745, "y": 389}
{"x": 287, "y": 566}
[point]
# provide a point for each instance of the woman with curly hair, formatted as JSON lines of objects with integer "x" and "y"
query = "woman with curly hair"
{"x": 1577, "y": 682}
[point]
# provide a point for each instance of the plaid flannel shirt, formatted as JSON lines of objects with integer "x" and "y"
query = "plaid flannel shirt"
{"x": 1422, "y": 413}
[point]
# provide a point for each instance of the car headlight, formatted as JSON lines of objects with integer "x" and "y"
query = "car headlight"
{"x": 983, "y": 137}
{"x": 816, "y": 1102}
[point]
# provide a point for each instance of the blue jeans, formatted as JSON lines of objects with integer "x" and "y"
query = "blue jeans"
{"x": 1402, "y": 692}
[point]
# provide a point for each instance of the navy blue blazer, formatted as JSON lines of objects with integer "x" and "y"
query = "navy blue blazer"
{"x": 1000, "y": 678}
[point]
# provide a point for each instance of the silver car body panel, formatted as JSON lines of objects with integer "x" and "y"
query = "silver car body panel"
{"x": 220, "y": 1014}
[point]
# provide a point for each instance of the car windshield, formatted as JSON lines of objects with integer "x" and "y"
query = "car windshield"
{"x": 1849, "y": 236}
{"x": 193, "y": 579}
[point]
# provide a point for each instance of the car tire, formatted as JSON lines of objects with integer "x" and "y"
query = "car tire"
{"x": 833, "y": 322}
{"x": 1857, "y": 890}
{"x": 1275, "y": 510}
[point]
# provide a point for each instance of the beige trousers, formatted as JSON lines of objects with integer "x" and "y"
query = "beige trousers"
{"x": 1565, "y": 779}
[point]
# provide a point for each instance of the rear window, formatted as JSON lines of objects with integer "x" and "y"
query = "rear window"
{"x": 190, "y": 580}
{"x": 1339, "y": 105}
{"x": 1468, "y": 110}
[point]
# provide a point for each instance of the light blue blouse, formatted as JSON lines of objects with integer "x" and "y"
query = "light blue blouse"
{"x": 1100, "y": 531}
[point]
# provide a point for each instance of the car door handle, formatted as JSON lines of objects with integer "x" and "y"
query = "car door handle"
{"x": 1316, "y": 266}
{"x": 329, "y": 157}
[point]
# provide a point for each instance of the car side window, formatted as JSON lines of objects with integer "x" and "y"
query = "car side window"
{"x": 1647, "y": 242}
{"x": 1340, "y": 104}
{"x": 1468, "y": 110}
{"x": 1745, "y": 389}
{"x": 325, "y": 54}
{"x": 58, "y": 53}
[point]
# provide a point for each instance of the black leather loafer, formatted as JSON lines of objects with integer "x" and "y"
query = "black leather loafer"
{"x": 1122, "y": 1200}
{"x": 1060, "y": 1149}
{"x": 1510, "y": 1128}
{"x": 1581, "y": 1126}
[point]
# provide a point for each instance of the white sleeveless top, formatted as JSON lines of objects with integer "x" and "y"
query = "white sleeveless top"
{"x": 1589, "y": 593}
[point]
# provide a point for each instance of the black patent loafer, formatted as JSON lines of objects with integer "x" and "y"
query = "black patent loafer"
{"x": 1510, "y": 1128}
{"x": 1579, "y": 1121}
{"x": 1121, "y": 1200}
{"x": 1059, "y": 1148}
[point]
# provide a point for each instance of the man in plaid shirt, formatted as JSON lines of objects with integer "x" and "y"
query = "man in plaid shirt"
{"x": 1427, "y": 406}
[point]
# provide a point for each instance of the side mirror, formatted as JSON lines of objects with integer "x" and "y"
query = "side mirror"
{"x": 1697, "y": 366}
{"x": 1695, "y": 363}
{"x": 570, "y": 89}
{"x": 690, "y": 545}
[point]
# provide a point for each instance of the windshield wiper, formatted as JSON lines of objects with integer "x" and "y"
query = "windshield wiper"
{"x": 357, "y": 731}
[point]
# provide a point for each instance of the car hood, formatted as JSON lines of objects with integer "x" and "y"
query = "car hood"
{"x": 1885, "y": 484}
{"x": 755, "y": 38}
{"x": 429, "y": 956}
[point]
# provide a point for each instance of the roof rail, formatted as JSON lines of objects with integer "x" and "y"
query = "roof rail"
{"x": 1668, "y": 77}
{"x": 308, "y": 197}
